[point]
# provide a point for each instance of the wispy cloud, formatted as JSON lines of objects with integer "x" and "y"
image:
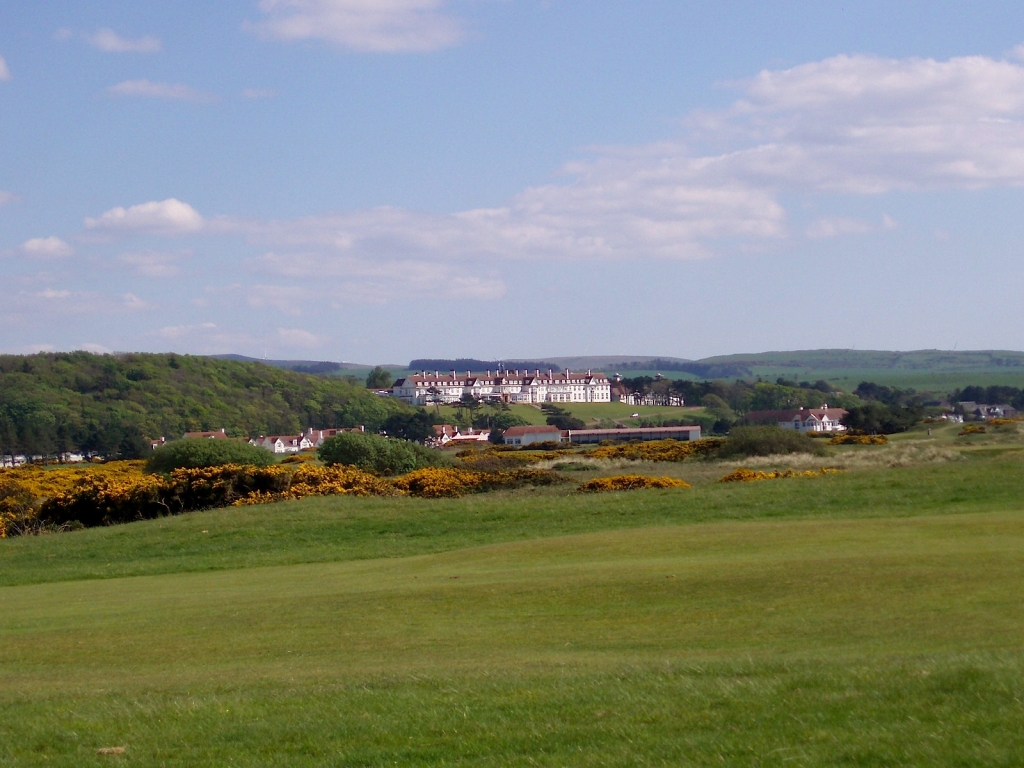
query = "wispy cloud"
{"x": 168, "y": 217}
{"x": 5, "y": 72}
{"x": 151, "y": 263}
{"x": 109, "y": 41}
{"x": 148, "y": 89}
{"x": 385, "y": 26}
{"x": 7, "y": 197}
{"x": 47, "y": 247}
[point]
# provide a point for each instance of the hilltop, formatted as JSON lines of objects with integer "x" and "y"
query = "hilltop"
{"x": 57, "y": 402}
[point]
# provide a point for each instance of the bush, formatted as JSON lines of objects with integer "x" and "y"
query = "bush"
{"x": 744, "y": 475}
{"x": 630, "y": 483}
{"x": 195, "y": 453}
{"x": 17, "y": 509}
{"x": 436, "y": 482}
{"x": 767, "y": 441}
{"x": 658, "y": 450}
{"x": 374, "y": 453}
{"x": 845, "y": 439}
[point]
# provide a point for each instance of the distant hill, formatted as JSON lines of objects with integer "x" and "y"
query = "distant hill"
{"x": 107, "y": 403}
{"x": 303, "y": 366}
{"x": 932, "y": 370}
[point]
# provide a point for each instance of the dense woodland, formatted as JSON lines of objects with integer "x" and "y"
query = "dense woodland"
{"x": 113, "y": 404}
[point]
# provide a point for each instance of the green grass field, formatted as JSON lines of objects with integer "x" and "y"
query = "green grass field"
{"x": 870, "y": 618}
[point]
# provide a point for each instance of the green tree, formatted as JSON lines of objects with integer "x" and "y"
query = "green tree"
{"x": 383, "y": 455}
{"x": 378, "y": 378}
{"x": 416, "y": 426}
{"x": 203, "y": 452}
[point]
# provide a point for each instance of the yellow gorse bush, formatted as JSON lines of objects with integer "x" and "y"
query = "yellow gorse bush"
{"x": 630, "y": 483}
{"x": 658, "y": 450}
{"x": 744, "y": 475}
{"x": 314, "y": 480}
{"x": 971, "y": 429}
{"x": 858, "y": 440}
{"x": 44, "y": 482}
{"x": 437, "y": 482}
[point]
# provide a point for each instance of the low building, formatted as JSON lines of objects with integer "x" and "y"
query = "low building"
{"x": 427, "y": 388}
{"x": 627, "y": 434}
{"x": 531, "y": 435}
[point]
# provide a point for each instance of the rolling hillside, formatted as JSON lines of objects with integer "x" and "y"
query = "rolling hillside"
{"x": 109, "y": 403}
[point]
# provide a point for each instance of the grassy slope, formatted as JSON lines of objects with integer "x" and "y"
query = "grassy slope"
{"x": 867, "y": 619}
{"x": 339, "y": 529}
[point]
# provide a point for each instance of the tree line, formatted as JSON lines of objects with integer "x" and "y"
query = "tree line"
{"x": 112, "y": 405}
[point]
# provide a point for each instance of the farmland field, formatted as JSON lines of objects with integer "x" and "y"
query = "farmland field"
{"x": 872, "y": 617}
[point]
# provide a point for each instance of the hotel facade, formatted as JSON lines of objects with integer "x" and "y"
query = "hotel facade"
{"x": 504, "y": 386}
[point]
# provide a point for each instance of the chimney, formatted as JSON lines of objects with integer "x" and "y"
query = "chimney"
{"x": 453, "y": 374}
{"x": 435, "y": 374}
{"x": 549, "y": 373}
{"x": 538, "y": 372}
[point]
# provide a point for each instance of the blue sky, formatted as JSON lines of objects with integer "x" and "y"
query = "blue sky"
{"x": 377, "y": 180}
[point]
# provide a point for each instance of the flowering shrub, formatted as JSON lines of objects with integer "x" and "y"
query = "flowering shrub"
{"x": 17, "y": 509}
{"x": 858, "y": 440}
{"x": 971, "y": 429}
{"x": 98, "y": 500}
{"x": 299, "y": 458}
{"x": 435, "y": 482}
{"x": 312, "y": 480}
{"x": 658, "y": 450}
{"x": 744, "y": 475}
{"x": 630, "y": 483}
{"x": 43, "y": 482}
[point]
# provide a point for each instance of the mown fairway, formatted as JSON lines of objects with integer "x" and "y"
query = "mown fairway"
{"x": 873, "y": 618}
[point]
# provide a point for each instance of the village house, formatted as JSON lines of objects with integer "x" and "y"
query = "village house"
{"x": 449, "y": 434}
{"x": 427, "y": 388}
{"x": 309, "y": 440}
{"x": 822, "y": 419}
{"x": 985, "y": 412}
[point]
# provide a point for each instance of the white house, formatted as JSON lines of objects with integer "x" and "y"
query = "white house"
{"x": 822, "y": 419}
{"x": 505, "y": 386}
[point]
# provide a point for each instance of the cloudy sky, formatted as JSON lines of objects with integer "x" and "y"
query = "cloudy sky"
{"x": 376, "y": 180}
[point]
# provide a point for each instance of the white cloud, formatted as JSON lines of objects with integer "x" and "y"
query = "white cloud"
{"x": 168, "y": 217}
{"x": 7, "y": 197}
{"x": 837, "y": 226}
{"x": 865, "y": 125}
{"x": 47, "y": 247}
{"x": 51, "y": 293}
{"x": 5, "y": 73}
{"x": 109, "y": 41}
{"x": 131, "y": 301}
{"x": 342, "y": 280}
{"x": 387, "y": 26}
{"x": 151, "y": 90}
{"x": 296, "y": 337}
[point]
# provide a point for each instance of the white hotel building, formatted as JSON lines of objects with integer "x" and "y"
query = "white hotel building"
{"x": 505, "y": 386}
